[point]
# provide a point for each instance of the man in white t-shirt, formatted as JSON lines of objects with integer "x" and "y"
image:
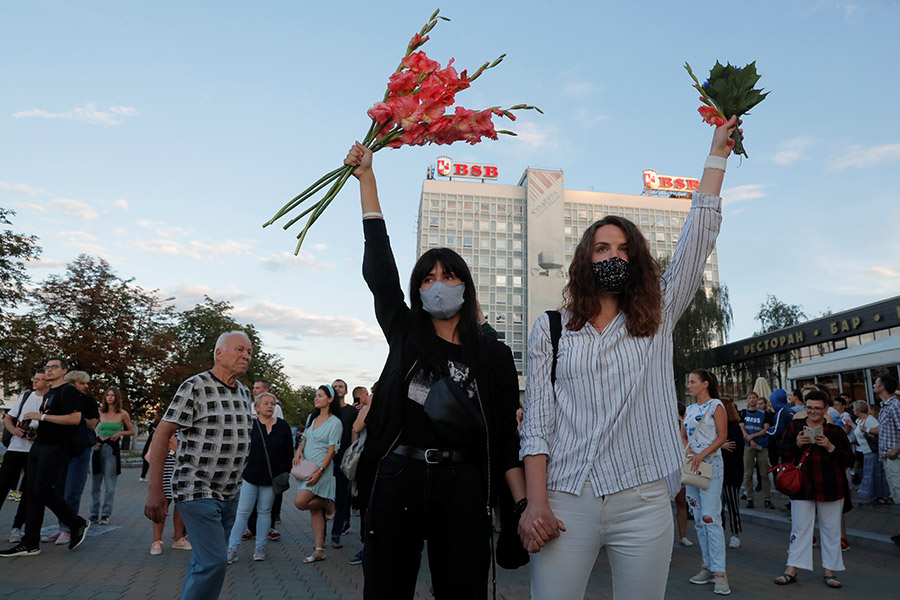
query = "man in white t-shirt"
{"x": 16, "y": 457}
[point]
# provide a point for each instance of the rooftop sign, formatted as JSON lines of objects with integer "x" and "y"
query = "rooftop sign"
{"x": 448, "y": 168}
{"x": 668, "y": 183}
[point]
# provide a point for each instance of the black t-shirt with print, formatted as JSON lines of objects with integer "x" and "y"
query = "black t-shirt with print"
{"x": 62, "y": 400}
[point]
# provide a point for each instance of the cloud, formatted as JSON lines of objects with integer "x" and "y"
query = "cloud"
{"x": 320, "y": 247}
{"x": 284, "y": 260}
{"x": 531, "y": 135}
{"x": 32, "y": 207}
{"x": 293, "y": 323}
{"x": 205, "y": 251}
{"x": 189, "y": 295}
{"x": 579, "y": 89}
{"x": 73, "y": 208}
{"x": 120, "y": 231}
{"x": 861, "y": 156}
{"x": 792, "y": 150}
{"x": 89, "y": 113}
{"x": 121, "y": 203}
{"x": 82, "y": 241}
{"x": 742, "y": 193}
{"x": 889, "y": 272}
{"x": 46, "y": 263}
{"x": 21, "y": 188}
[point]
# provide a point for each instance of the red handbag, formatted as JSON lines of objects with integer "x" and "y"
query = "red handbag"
{"x": 789, "y": 477}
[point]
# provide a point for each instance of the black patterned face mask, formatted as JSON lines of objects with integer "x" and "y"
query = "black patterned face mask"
{"x": 611, "y": 274}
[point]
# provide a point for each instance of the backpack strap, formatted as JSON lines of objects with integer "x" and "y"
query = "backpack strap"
{"x": 555, "y": 333}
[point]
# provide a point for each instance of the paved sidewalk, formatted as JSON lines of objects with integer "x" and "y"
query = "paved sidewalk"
{"x": 114, "y": 562}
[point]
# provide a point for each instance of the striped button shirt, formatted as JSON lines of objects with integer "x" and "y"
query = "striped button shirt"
{"x": 888, "y": 426}
{"x": 612, "y": 417}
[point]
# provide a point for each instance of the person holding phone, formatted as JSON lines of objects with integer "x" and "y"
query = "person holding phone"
{"x": 825, "y": 457}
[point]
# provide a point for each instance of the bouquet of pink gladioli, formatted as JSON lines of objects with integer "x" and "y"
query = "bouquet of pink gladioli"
{"x": 413, "y": 112}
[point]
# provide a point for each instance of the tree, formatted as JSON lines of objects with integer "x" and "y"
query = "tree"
{"x": 16, "y": 251}
{"x": 17, "y": 337}
{"x": 774, "y": 315}
{"x": 104, "y": 325}
{"x": 706, "y": 320}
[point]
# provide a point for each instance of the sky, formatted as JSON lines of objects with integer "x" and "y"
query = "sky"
{"x": 160, "y": 136}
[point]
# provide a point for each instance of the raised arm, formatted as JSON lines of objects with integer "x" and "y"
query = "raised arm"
{"x": 379, "y": 266}
{"x": 698, "y": 237}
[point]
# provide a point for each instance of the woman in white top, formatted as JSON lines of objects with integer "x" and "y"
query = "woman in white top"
{"x": 874, "y": 482}
{"x": 705, "y": 430}
{"x": 599, "y": 442}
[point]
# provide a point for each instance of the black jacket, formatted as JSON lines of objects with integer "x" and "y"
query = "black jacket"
{"x": 497, "y": 380}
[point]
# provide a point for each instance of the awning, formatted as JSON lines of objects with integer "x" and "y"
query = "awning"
{"x": 885, "y": 351}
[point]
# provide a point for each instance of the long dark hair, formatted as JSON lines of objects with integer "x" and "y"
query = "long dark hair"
{"x": 333, "y": 408}
{"x": 705, "y": 375}
{"x": 641, "y": 300}
{"x": 423, "y": 335}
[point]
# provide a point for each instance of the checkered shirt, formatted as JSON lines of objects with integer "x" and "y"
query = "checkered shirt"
{"x": 214, "y": 439}
{"x": 888, "y": 426}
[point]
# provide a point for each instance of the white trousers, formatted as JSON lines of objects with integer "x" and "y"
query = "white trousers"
{"x": 635, "y": 525}
{"x": 803, "y": 518}
{"x": 892, "y": 474}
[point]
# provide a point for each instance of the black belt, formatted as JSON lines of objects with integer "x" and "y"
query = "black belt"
{"x": 434, "y": 456}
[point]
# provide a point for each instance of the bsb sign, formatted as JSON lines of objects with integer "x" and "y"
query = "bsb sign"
{"x": 666, "y": 183}
{"x": 448, "y": 168}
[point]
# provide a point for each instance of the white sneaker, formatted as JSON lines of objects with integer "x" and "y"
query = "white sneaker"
{"x": 685, "y": 542}
{"x": 232, "y": 556}
{"x": 722, "y": 585}
{"x": 734, "y": 542}
{"x": 156, "y": 548}
{"x": 259, "y": 554}
{"x": 15, "y": 535}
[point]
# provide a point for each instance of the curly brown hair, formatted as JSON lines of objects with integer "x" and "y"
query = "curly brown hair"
{"x": 641, "y": 300}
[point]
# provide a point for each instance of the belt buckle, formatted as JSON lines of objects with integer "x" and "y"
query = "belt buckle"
{"x": 429, "y": 460}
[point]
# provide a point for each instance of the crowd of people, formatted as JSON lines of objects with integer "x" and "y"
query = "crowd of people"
{"x": 591, "y": 460}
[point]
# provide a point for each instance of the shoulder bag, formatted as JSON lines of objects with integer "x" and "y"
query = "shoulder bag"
{"x": 699, "y": 478}
{"x": 789, "y": 479}
{"x": 352, "y": 456}
{"x": 282, "y": 482}
{"x": 7, "y": 435}
{"x": 306, "y": 467}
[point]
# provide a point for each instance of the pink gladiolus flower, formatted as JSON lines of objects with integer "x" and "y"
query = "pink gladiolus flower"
{"x": 419, "y": 62}
{"x": 402, "y": 83}
{"x": 380, "y": 113}
{"x": 711, "y": 116}
{"x": 417, "y": 40}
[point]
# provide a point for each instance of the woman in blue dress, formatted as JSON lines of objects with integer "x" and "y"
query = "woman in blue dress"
{"x": 320, "y": 441}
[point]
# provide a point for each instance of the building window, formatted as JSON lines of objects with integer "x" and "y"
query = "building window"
{"x": 485, "y": 243}
{"x": 485, "y": 225}
{"x": 660, "y": 237}
{"x": 517, "y": 279}
{"x": 568, "y": 230}
{"x": 517, "y": 228}
{"x": 451, "y": 240}
{"x": 468, "y": 207}
{"x": 485, "y": 208}
{"x": 501, "y": 298}
{"x": 434, "y": 222}
{"x": 432, "y": 240}
{"x": 435, "y": 203}
{"x": 501, "y": 225}
{"x": 501, "y": 244}
{"x": 517, "y": 244}
{"x": 467, "y": 242}
{"x": 501, "y": 262}
{"x": 468, "y": 224}
{"x": 500, "y": 280}
{"x": 500, "y": 318}
{"x": 451, "y": 204}
{"x": 501, "y": 335}
{"x": 501, "y": 209}
{"x": 518, "y": 210}
{"x": 517, "y": 300}
{"x": 645, "y": 220}
{"x": 517, "y": 263}
{"x": 517, "y": 318}
{"x": 517, "y": 355}
{"x": 484, "y": 261}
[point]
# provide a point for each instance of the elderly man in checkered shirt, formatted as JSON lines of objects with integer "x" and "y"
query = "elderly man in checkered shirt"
{"x": 211, "y": 411}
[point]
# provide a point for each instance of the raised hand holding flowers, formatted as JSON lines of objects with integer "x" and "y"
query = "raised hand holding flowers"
{"x": 728, "y": 92}
{"x": 413, "y": 112}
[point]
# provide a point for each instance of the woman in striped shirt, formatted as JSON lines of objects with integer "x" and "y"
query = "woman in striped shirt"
{"x": 598, "y": 443}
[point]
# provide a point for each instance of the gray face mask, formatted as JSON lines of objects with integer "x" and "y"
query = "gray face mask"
{"x": 442, "y": 301}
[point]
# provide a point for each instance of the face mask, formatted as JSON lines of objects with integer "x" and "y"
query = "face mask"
{"x": 611, "y": 274}
{"x": 442, "y": 301}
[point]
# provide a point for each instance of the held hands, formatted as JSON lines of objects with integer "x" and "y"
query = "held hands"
{"x": 537, "y": 526}
{"x": 360, "y": 157}
{"x": 803, "y": 440}
{"x": 314, "y": 478}
{"x": 823, "y": 441}
{"x": 722, "y": 142}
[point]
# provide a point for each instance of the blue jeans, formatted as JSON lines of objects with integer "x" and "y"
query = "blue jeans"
{"x": 707, "y": 504}
{"x": 108, "y": 479}
{"x": 71, "y": 481}
{"x": 208, "y": 521}
{"x": 261, "y": 497}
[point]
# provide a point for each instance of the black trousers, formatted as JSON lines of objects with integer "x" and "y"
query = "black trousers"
{"x": 342, "y": 497}
{"x": 14, "y": 464}
{"x": 412, "y": 503}
{"x": 44, "y": 464}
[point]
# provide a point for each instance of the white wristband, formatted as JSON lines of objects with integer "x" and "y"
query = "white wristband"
{"x": 373, "y": 215}
{"x": 715, "y": 162}
{"x": 42, "y": 417}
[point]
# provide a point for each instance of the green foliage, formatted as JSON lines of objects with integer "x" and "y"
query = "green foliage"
{"x": 774, "y": 315}
{"x": 707, "y": 319}
{"x": 16, "y": 250}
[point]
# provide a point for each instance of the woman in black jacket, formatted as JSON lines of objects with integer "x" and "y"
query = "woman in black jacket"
{"x": 424, "y": 475}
